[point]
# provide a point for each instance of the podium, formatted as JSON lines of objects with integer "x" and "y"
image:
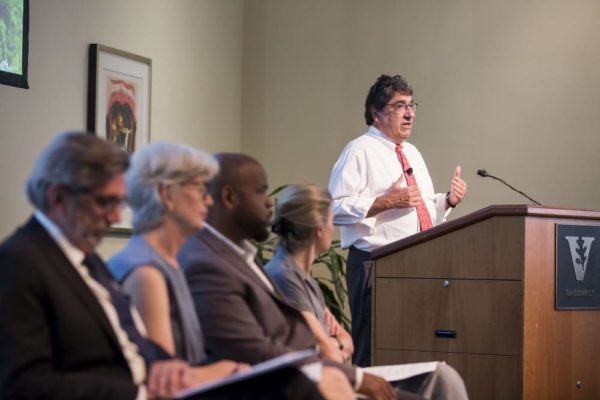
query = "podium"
{"x": 479, "y": 293}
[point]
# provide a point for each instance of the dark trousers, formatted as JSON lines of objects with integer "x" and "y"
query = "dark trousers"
{"x": 358, "y": 279}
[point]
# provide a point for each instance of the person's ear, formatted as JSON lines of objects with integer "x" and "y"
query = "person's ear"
{"x": 55, "y": 198}
{"x": 55, "y": 195}
{"x": 374, "y": 114}
{"x": 229, "y": 197}
{"x": 318, "y": 231}
{"x": 165, "y": 195}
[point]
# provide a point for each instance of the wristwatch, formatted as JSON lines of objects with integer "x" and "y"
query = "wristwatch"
{"x": 448, "y": 201}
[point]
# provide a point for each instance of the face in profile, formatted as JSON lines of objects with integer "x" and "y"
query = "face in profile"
{"x": 188, "y": 203}
{"x": 325, "y": 233}
{"x": 255, "y": 208}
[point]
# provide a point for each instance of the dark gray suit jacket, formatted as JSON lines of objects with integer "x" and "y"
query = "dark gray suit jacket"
{"x": 241, "y": 318}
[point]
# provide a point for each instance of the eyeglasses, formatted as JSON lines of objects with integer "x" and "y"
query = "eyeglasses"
{"x": 401, "y": 107}
{"x": 200, "y": 187}
{"x": 107, "y": 204}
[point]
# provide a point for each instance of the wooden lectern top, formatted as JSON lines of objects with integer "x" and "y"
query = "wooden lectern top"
{"x": 503, "y": 210}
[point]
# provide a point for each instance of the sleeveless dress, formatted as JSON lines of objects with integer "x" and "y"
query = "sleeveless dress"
{"x": 187, "y": 334}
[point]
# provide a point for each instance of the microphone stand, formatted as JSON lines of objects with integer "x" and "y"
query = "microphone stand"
{"x": 483, "y": 173}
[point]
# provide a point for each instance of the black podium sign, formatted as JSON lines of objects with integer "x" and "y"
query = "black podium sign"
{"x": 577, "y": 267}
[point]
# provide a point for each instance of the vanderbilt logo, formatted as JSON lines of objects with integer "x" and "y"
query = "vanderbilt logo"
{"x": 580, "y": 247}
{"x": 577, "y": 267}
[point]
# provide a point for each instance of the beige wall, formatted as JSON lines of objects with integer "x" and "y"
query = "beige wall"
{"x": 196, "y": 52}
{"x": 511, "y": 86}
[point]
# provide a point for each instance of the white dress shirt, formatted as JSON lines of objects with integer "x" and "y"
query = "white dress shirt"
{"x": 247, "y": 252}
{"x": 367, "y": 167}
{"x": 131, "y": 352}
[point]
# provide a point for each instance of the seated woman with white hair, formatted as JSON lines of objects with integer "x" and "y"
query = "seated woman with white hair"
{"x": 166, "y": 191}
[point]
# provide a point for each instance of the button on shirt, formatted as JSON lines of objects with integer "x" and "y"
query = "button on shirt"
{"x": 367, "y": 167}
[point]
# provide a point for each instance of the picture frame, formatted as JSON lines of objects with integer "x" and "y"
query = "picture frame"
{"x": 14, "y": 52}
{"x": 119, "y": 100}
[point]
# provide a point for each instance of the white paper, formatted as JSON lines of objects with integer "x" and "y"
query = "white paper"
{"x": 273, "y": 364}
{"x": 313, "y": 371}
{"x": 398, "y": 372}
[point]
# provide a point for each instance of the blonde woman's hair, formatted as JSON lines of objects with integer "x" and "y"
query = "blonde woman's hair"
{"x": 298, "y": 210}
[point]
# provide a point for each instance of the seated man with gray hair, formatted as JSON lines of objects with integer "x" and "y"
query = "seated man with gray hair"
{"x": 65, "y": 332}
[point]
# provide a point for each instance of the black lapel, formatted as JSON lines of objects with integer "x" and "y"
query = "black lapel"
{"x": 58, "y": 261}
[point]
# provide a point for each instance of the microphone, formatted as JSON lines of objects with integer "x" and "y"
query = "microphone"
{"x": 484, "y": 174}
{"x": 409, "y": 171}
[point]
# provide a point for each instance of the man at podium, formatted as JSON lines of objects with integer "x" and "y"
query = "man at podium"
{"x": 382, "y": 192}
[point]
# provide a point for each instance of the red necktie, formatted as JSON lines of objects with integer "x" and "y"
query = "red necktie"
{"x": 422, "y": 212}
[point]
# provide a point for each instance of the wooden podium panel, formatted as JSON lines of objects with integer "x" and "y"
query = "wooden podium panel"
{"x": 489, "y": 279}
{"x": 560, "y": 348}
{"x": 472, "y": 308}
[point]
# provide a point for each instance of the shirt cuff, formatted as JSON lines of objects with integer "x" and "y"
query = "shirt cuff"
{"x": 350, "y": 211}
{"x": 358, "y": 378}
{"x": 142, "y": 393}
{"x": 363, "y": 205}
{"x": 440, "y": 208}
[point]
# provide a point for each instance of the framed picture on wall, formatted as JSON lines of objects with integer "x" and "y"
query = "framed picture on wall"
{"x": 119, "y": 86}
{"x": 14, "y": 42}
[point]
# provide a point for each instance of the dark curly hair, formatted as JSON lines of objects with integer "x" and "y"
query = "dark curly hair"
{"x": 384, "y": 88}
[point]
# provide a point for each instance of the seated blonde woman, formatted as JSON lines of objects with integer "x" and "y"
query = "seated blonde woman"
{"x": 304, "y": 225}
{"x": 166, "y": 191}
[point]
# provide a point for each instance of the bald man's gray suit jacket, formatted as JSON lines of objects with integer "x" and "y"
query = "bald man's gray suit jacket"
{"x": 242, "y": 319}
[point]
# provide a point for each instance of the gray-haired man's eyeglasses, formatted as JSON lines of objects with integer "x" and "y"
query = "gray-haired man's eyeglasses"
{"x": 401, "y": 107}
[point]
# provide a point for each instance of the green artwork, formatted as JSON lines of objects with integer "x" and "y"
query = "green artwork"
{"x": 11, "y": 36}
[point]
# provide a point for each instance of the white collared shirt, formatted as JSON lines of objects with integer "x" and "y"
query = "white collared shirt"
{"x": 366, "y": 168}
{"x": 247, "y": 252}
{"x": 132, "y": 355}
